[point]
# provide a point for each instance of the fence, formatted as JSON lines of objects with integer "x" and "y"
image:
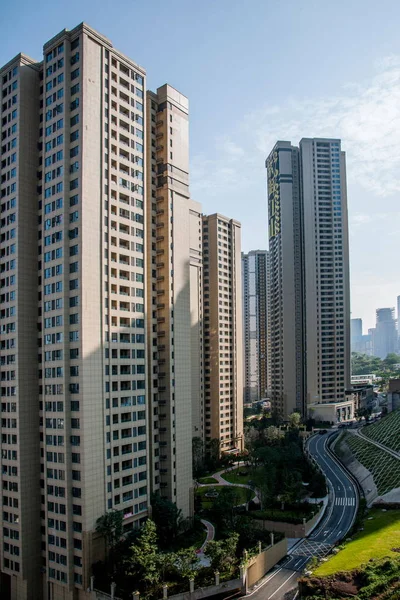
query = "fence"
{"x": 250, "y": 572}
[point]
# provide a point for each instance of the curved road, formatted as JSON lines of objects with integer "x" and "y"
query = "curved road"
{"x": 336, "y": 522}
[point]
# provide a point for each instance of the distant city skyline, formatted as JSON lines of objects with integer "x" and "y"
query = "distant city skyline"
{"x": 392, "y": 305}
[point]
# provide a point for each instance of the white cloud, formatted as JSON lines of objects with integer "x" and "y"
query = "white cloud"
{"x": 365, "y": 116}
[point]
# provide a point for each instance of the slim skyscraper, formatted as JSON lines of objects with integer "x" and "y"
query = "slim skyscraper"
{"x": 174, "y": 308}
{"x": 255, "y": 298}
{"x": 223, "y": 367}
{"x": 286, "y": 279}
{"x": 310, "y": 299}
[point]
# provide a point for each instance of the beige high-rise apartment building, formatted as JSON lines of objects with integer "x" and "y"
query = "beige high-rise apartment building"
{"x": 310, "y": 297}
{"x": 223, "y": 352}
{"x": 102, "y": 358}
{"x": 20, "y": 550}
{"x": 256, "y": 328}
{"x": 174, "y": 247}
{"x": 99, "y": 408}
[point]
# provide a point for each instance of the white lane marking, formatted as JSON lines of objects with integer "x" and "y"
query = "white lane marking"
{"x": 281, "y": 586}
{"x": 267, "y": 580}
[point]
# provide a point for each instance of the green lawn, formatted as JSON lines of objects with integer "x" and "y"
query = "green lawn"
{"x": 207, "y": 480}
{"x": 380, "y": 535}
{"x": 242, "y": 494}
{"x": 255, "y": 475}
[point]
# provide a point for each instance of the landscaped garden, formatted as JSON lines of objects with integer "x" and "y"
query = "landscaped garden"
{"x": 384, "y": 467}
{"x": 165, "y": 549}
{"x": 209, "y": 494}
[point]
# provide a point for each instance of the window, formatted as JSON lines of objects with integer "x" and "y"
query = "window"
{"x": 74, "y": 74}
{"x": 74, "y": 120}
{"x": 74, "y": 136}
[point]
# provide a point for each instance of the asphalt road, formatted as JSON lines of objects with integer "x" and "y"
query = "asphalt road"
{"x": 337, "y": 520}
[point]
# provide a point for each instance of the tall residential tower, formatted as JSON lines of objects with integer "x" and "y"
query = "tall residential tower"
{"x": 310, "y": 298}
{"x": 101, "y": 308}
{"x": 256, "y": 316}
{"x": 223, "y": 332}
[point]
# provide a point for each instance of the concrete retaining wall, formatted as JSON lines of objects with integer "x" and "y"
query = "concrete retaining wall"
{"x": 262, "y": 563}
{"x": 289, "y": 529}
{"x": 211, "y": 590}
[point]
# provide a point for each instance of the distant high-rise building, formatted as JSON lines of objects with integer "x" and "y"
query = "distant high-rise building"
{"x": 356, "y": 328}
{"x": 255, "y": 297}
{"x": 359, "y": 342}
{"x": 223, "y": 369}
{"x": 356, "y": 336}
{"x": 385, "y": 338}
{"x": 310, "y": 299}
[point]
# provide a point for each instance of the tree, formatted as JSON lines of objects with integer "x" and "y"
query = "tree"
{"x": 167, "y": 518}
{"x": 223, "y": 511}
{"x": 223, "y": 554}
{"x": 391, "y": 360}
{"x": 213, "y": 453}
{"x": 186, "y": 562}
{"x": 144, "y": 559}
{"x": 291, "y": 488}
{"x": 198, "y": 457}
{"x": 110, "y": 526}
{"x": 295, "y": 420}
{"x": 273, "y": 435}
{"x": 362, "y": 364}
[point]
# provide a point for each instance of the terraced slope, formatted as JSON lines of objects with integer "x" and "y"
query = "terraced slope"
{"x": 386, "y": 432}
{"x": 384, "y": 467}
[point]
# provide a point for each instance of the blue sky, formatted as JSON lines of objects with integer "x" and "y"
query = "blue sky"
{"x": 256, "y": 71}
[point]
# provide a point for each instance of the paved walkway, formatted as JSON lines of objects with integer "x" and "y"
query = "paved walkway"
{"x": 221, "y": 481}
{"x": 204, "y": 560}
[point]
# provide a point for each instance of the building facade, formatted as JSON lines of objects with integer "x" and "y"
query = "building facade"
{"x": 174, "y": 248}
{"x": 105, "y": 374}
{"x": 308, "y": 230}
{"x": 255, "y": 299}
{"x": 101, "y": 350}
{"x": 223, "y": 370}
{"x": 286, "y": 279}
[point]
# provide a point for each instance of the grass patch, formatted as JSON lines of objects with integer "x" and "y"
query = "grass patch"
{"x": 242, "y": 495}
{"x": 207, "y": 480}
{"x": 379, "y": 537}
{"x": 255, "y": 475}
{"x": 287, "y": 516}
